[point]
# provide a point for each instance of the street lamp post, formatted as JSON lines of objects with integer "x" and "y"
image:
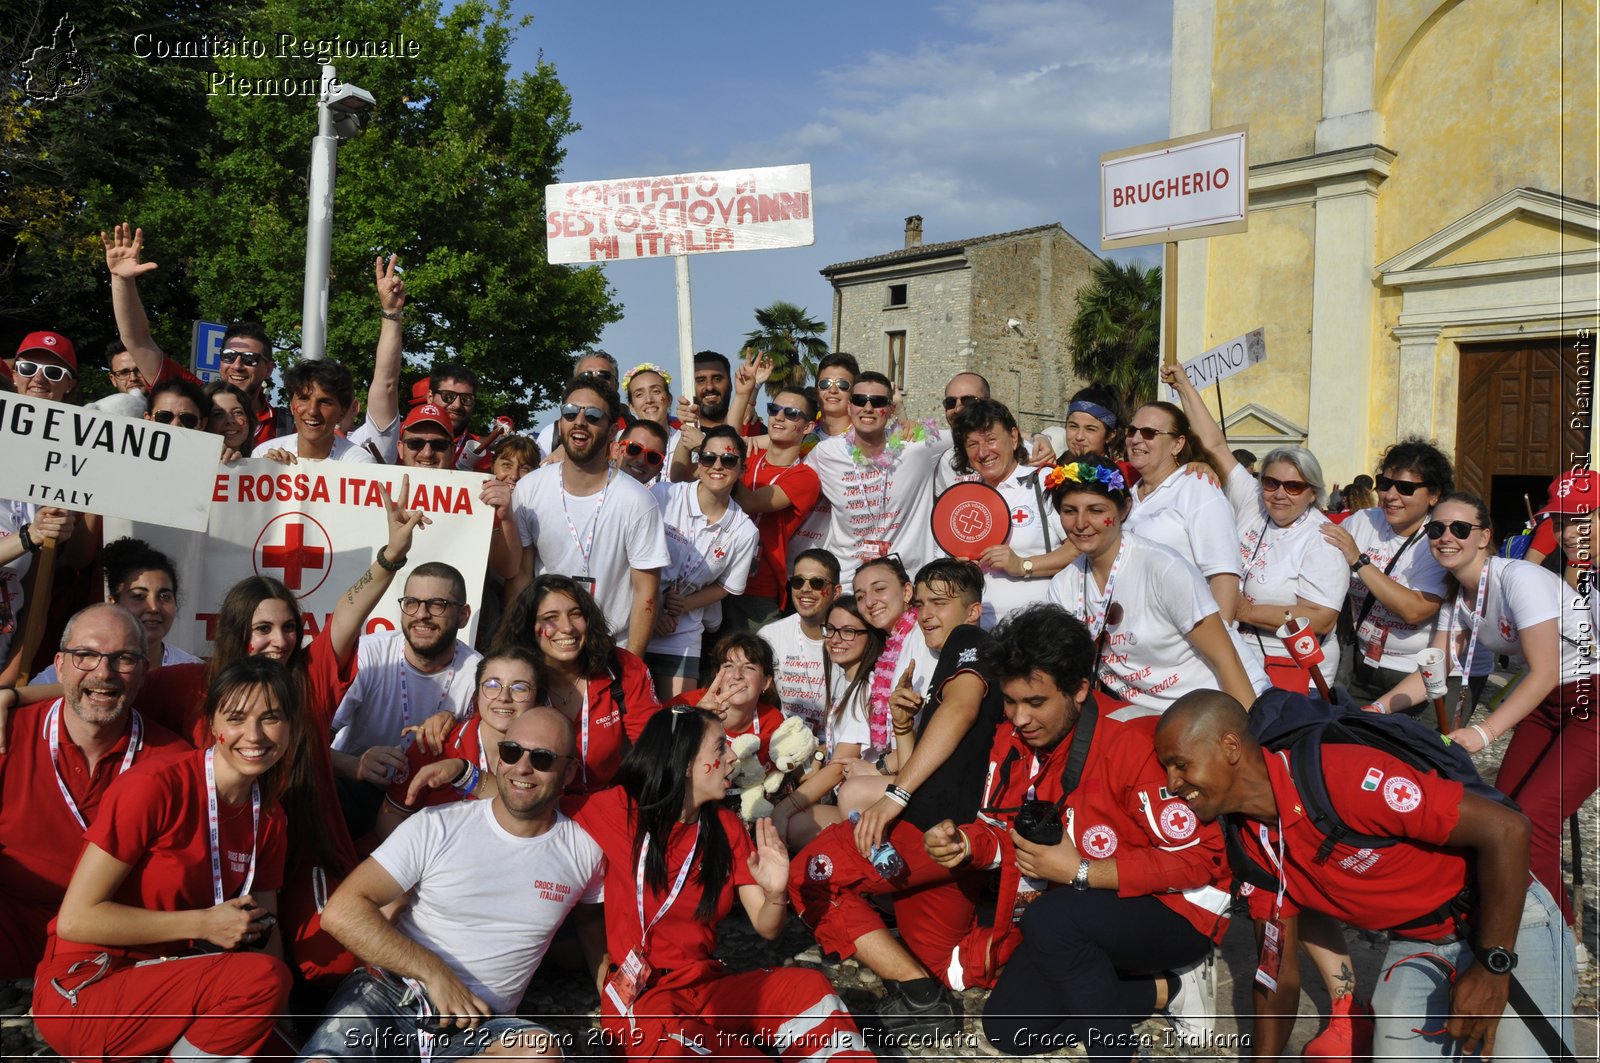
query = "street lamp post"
{"x": 342, "y": 112}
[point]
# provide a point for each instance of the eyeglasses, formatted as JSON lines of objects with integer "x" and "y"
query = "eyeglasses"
{"x": 636, "y": 450}
{"x": 843, "y": 634}
{"x": 592, "y": 414}
{"x": 88, "y": 660}
{"x": 53, "y": 373}
{"x": 436, "y": 606}
{"x": 539, "y": 759}
{"x": 416, "y": 443}
{"x": 679, "y": 712}
{"x": 816, "y": 583}
{"x": 877, "y": 402}
{"x": 1407, "y": 488}
{"x": 952, "y": 401}
{"x": 1292, "y": 488}
{"x": 835, "y": 383}
{"x": 465, "y": 399}
{"x": 124, "y": 374}
{"x": 249, "y": 358}
{"x": 516, "y": 691}
{"x": 1435, "y": 529}
{"x": 1146, "y": 433}
{"x": 776, "y": 410}
{"x": 188, "y": 420}
{"x": 728, "y": 458}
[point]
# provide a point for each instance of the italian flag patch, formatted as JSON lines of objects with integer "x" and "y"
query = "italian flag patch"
{"x": 1374, "y": 777}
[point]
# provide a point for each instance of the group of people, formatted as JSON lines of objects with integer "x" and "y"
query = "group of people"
{"x": 1056, "y": 727}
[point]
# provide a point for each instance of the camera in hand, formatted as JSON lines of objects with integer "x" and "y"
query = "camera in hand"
{"x": 1040, "y": 822}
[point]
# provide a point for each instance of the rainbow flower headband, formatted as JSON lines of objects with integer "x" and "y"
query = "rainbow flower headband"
{"x": 1082, "y": 473}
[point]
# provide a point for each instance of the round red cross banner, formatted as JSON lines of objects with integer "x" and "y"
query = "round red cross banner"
{"x": 968, "y": 518}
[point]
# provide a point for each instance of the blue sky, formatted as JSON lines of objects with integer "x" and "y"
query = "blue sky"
{"x": 980, "y": 116}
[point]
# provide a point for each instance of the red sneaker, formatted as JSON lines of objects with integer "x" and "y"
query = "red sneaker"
{"x": 1348, "y": 1038}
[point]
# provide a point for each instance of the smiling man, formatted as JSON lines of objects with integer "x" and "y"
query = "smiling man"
{"x": 796, "y": 640}
{"x": 425, "y": 439}
{"x": 322, "y": 393}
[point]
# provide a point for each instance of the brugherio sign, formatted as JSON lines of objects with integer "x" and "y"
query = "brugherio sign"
{"x": 1178, "y": 189}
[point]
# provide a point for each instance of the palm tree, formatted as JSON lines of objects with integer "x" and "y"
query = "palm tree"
{"x": 1116, "y": 334}
{"x": 792, "y": 339}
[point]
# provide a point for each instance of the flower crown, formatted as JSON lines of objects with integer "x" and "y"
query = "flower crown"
{"x": 1083, "y": 473}
{"x": 645, "y": 367}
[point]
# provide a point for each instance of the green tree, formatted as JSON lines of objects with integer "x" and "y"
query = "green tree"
{"x": 1116, "y": 333}
{"x": 793, "y": 340}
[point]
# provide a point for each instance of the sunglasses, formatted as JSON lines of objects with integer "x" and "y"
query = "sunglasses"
{"x": 1407, "y": 488}
{"x": 1458, "y": 528}
{"x": 835, "y": 383}
{"x": 517, "y": 691}
{"x": 438, "y": 446}
{"x": 592, "y": 414}
{"x": 53, "y": 373}
{"x": 816, "y": 583}
{"x": 776, "y": 410}
{"x": 952, "y": 401}
{"x": 435, "y": 606}
{"x": 603, "y": 374}
{"x": 877, "y": 402}
{"x": 1292, "y": 488}
{"x": 728, "y": 460}
{"x": 249, "y": 358}
{"x": 634, "y": 450}
{"x": 844, "y": 634}
{"x": 539, "y": 759}
{"x": 452, "y": 398}
{"x": 188, "y": 420}
{"x": 1146, "y": 433}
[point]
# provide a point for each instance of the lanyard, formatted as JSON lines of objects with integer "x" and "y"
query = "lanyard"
{"x": 405, "y": 694}
{"x": 1276, "y": 859}
{"x": 216, "y": 840}
{"x": 1261, "y": 541}
{"x": 586, "y": 544}
{"x": 1472, "y": 639}
{"x": 52, "y": 733}
{"x": 1097, "y": 622}
{"x": 583, "y": 736}
{"x": 677, "y": 886}
{"x": 702, "y": 554}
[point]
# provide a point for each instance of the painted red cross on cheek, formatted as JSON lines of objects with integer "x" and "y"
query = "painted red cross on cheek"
{"x": 713, "y": 766}
{"x": 1108, "y": 522}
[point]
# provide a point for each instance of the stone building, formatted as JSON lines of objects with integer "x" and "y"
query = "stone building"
{"x": 1422, "y": 227}
{"x": 999, "y": 305}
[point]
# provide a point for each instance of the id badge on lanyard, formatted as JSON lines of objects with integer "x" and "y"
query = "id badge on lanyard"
{"x": 633, "y": 974}
{"x": 1272, "y": 933}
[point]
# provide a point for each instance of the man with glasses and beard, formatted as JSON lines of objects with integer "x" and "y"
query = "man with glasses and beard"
{"x": 402, "y": 678}
{"x": 580, "y": 517}
{"x": 596, "y": 363}
{"x": 460, "y": 955}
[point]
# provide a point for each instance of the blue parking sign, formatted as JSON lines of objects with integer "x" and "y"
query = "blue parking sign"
{"x": 205, "y": 351}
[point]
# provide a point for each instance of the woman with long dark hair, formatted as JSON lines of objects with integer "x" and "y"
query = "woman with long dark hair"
{"x": 166, "y": 943}
{"x": 673, "y": 846}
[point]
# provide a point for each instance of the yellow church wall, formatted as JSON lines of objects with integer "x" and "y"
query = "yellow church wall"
{"x": 1285, "y": 127}
{"x": 1515, "y": 237}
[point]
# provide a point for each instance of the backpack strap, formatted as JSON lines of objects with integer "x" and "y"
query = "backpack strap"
{"x": 1078, "y": 752}
{"x": 614, "y": 670}
{"x": 1044, "y": 514}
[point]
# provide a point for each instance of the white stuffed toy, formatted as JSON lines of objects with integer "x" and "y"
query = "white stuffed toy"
{"x": 791, "y": 748}
{"x": 749, "y": 778}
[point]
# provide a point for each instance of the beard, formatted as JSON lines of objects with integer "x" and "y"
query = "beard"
{"x": 714, "y": 406}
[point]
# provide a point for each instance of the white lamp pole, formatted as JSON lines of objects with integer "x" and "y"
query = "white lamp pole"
{"x": 342, "y": 111}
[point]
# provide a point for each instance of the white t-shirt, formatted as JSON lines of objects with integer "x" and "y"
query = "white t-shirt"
{"x": 1148, "y": 659}
{"x": 1283, "y": 564}
{"x": 1003, "y": 594}
{"x": 1521, "y": 594}
{"x": 389, "y": 694}
{"x": 387, "y": 440}
{"x": 852, "y": 726}
{"x": 13, "y": 601}
{"x": 702, "y": 554}
{"x": 603, "y": 536}
{"x": 1188, "y": 514}
{"x": 343, "y": 449}
{"x": 1385, "y": 640}
{"x": 799, "y": 677}
{"x": 485, "y": 901}
{"x": 877, "y": 510}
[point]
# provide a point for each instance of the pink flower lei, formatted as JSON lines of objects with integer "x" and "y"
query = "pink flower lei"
{"x": 893, "y": 444}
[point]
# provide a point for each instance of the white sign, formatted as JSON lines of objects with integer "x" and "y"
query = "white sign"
{"x": 1176, "y": 189}
{"x": 61, "y": 455}
{"x": 692, "y": 213}
{"x": 316, "y": 527}
{"x": 1223, "y": 361}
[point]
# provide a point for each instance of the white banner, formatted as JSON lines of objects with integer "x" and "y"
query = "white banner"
{"x": 61, "y": 455}
{"x": 1152, "y": 194}
{"x": 316, "y": 526}
{"x": 694, "y": 213}
{"x": 1223, "y": 361}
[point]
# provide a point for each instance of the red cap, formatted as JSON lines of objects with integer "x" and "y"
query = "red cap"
{"x": 50, "y": 343}
{"x": 428, "y": 413}
{"x": 1574, "y": 494}
{"x": 419, "y": 391}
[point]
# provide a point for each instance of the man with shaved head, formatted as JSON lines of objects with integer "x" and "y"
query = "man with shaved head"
{"x": 1453, "y": 890}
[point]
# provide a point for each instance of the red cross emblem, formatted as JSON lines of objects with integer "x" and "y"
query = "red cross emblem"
{"x": 294, "y": 547}
{"x": 971, "y": 521}
{"x": 1401, "y": 794}
{"x": 1177, "y": 822}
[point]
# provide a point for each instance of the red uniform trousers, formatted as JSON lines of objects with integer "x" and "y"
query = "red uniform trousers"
{"x": 829, "y": 882}
{"x": 1550, "y": 768}
{"x": 792, "y": 1011}
{"x": 224, "y": 1004}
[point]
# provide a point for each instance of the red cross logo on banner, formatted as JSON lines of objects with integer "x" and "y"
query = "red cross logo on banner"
{"x": 295, "y": 548}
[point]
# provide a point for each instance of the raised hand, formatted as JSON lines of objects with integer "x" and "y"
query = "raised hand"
{"x": 123, "y": 246}
{"x": 391, "y": 286}
{"x": 769, "y": 862}
{"x": 431, "y": 733}
{"x": 403, "y": 522}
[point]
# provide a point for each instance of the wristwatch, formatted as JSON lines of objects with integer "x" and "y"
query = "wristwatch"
{"x": 1027, "y": 568}
{"x": 1080, "y": 881}
{"x": 1361, "y": 561}
{"x": 1498, "y": 959}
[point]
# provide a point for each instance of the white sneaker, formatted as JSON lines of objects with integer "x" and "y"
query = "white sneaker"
{"x": 1192, "y": 1011}
{"x": 1583, "y": 960}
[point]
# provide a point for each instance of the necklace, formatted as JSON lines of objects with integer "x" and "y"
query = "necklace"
{"x": 893, "y": 443}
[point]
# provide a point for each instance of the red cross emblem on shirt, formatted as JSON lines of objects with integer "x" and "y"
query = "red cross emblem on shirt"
{"x": 1019, "y": 515}
{"x": 293, "y": 547}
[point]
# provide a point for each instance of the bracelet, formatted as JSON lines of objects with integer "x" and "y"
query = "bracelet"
{"x": 470, "y": 787}
{"x": 1483, "y": 733}
{"x": 387, "y": 565}
{"x": 1381, "y": 707}
{"x": 899, "y": 795}
{"x": 392, "y": 315}
{"x": 29, "y": 543}
{"x": 466, "y": 772}
{"x": 966, "y": 845}
{"x": 904, "y": 730}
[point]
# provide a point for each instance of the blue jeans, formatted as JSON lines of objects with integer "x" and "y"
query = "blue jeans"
{"x": 1413, "y": 993}
{"x": 367, "y": 1019}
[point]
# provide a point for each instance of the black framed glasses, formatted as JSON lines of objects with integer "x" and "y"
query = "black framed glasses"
{"x": 1291, "y": 488}
{"x": 435, "y": 606}
{"x": 539, "y": 759}
{"x": 1146, "y": 433}
{"x": 416, "y": 443}
{"x": 638, "y": 450}
{"x": 87, "y": 660}
{"x": 124, "y": 374}
{"x": 1435, "y": 529}
{"x": 877, "y": 402}
{"x": 465, "y": 399}
{"x": 843, "y": 634}
{"x": 592, "y": 414}
{"x": 603, "y": 374}
{"x": 1407, "y": 488}
{"x": 188, "y": 420}
{"x": 53, "y": 373}
{"x": 816, "y": 583}
{"x": 775, "y": 409}
{"x": 249, "y": 358}
{"x": 518, "y": 691}
{"x": 727, "y": 459}
{"x": 952, "y": 401}
{"x": 835, "y": 383}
